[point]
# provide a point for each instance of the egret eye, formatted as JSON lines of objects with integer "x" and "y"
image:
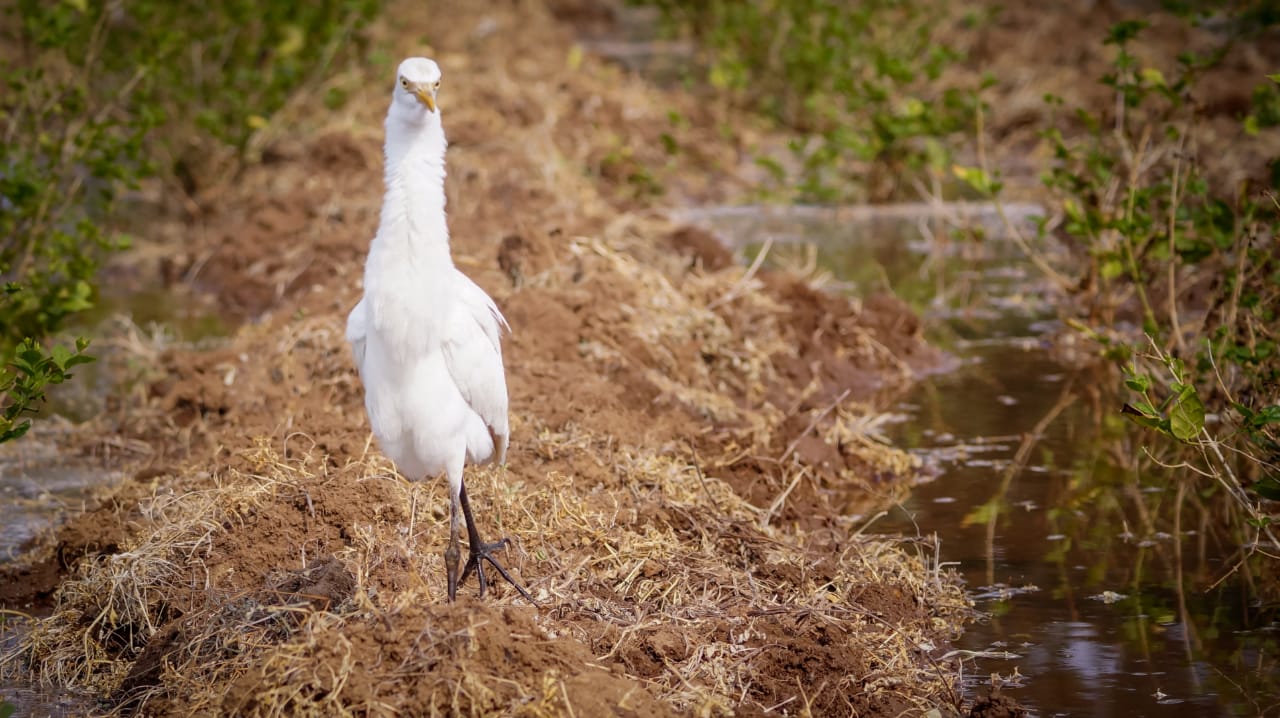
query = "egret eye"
{"x": 437, "y": 85}
{"x": 404, "y": 83}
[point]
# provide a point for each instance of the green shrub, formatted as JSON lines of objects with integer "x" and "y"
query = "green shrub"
{"x": 1202, "y": 261}
{"x": 855, "y": 79}
{"x": 98, "y": 96}
{"x": 1191, "y": 267}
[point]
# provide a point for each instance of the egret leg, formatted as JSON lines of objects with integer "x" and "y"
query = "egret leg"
{"x": 452, "y": 553}
{"x": 481, "y": 552}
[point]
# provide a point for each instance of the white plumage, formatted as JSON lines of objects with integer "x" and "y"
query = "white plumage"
{"x": 426, "y": 339}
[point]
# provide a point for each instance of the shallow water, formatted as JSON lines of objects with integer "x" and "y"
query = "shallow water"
{"x": 38, "y": 487}
{"x": 29, "y": 702}
{"x": 1094, "y": 608}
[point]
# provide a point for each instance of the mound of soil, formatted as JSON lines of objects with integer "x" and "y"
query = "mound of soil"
{"x": 684, "y": 484}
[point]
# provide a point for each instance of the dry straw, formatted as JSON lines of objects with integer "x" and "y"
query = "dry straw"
{"x": 657, "y": 575}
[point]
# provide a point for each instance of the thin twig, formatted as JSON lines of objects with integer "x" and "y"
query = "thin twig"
{"x": 741, "y": 284}
{"x": 1172, "y": 232}
{"x": 702, "y": 479}
{"x": 1062, "y": 283}
{"x": 782, "y": 498}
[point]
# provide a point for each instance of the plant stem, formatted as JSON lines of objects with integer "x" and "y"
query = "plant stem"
{"x": 1175, "y": 327}
{"x": 1126, "y": 237}
{"x": 1037, "y": 258}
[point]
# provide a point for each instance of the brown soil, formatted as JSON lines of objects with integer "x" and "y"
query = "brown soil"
{"x": 685, "y": 475}
{"x": 687, "y": 472}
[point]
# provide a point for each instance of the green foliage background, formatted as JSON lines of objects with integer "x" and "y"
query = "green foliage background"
{"x": 1152, "y": 233}
{"x": 858, "y": 82}
{"x": 97, "y": 97}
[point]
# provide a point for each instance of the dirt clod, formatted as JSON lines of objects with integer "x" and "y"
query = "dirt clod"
{"x": 997, "y": 705}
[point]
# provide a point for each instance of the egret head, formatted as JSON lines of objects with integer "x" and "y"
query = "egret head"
{"x": 417, "y": 82}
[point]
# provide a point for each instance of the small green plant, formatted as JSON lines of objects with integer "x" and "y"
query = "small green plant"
{"x": 853, "y": 80}
{"x": 23, "y": 384}
{"x": 69, "y": 148}
{"x": 1179, "y": 415}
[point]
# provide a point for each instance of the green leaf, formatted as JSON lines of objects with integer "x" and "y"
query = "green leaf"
{"x": 1186, "y": 419}
{"x": 1269, "y": 415}
{"x": 1145, "y": 415}
{"x": 79, "y": 359}
{"x": 976, "y": 178}
{"x": 15, "y": 432}
{"x": 1138, "y": 382}
{"x": 983, "y": 514}
{"x": 61, "y": 355}
{"x": 1122, "y": 32}
{"x": 1268, "y": 487}
{"x": 1111, "y": 269}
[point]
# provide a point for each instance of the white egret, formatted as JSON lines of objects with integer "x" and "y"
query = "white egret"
{"x": 426, "y": 339}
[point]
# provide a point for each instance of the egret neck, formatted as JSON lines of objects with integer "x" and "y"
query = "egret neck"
{"x": 415, "y": 197}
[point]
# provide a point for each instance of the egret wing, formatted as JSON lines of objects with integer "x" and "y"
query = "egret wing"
{"x": 357, "y": 333}
{"x": 473, "y": 353}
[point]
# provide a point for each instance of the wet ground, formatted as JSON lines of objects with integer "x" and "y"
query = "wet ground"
{"x": 38, "y": 487}
{"x": 1094, "y": 607}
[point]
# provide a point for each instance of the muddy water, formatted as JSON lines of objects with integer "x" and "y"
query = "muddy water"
{"x": 1094, "y": 606}
{"x": 39, "y": 488}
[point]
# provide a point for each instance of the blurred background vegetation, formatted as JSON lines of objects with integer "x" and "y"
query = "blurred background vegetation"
{"x": 100, "y": 95}
{"x": 1174, "y": 269}
{"x": 858, "y": 82}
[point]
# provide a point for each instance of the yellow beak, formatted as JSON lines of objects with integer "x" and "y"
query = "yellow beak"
{"x": 424, "y": 96}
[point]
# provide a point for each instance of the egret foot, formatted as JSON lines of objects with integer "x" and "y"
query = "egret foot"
{"x": 485, "y": 553}
{"x": 481, "y": 552}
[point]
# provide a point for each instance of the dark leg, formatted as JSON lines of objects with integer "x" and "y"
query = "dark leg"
{"x": 453, "y": 553}
{"x": 481, "y": 552}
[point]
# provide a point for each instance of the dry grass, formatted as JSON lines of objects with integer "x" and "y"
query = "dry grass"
{"x": 602, "y": 575}
{"x": 688, "y": 553}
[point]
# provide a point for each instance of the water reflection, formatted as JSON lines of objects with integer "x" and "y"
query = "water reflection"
{"x": 1127, "y": 620}
{"x": 1108, "y": 586}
